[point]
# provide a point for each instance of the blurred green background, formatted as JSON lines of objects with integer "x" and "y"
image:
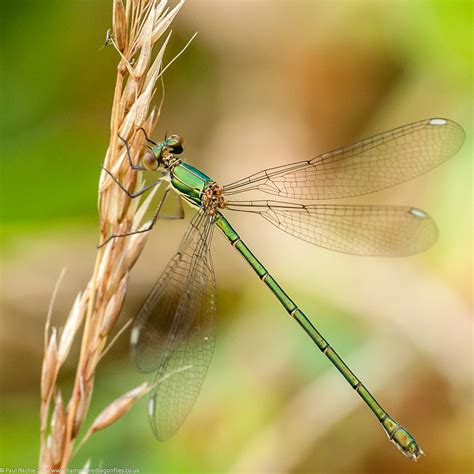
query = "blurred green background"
{"x": 264, "y": 83}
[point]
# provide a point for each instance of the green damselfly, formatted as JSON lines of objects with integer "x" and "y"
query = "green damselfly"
{"x": 173, "y": 334}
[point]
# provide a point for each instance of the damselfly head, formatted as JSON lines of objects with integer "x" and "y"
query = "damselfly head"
{"x": 175, "y": 143}
{"x": 163, "y": 153}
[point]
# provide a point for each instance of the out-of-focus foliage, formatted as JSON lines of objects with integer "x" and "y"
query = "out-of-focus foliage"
{"x": 264, "y": 83}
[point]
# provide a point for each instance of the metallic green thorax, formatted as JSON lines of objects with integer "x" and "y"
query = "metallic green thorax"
{"x": 404, "y": 441}
{"x": 189, "y": 181}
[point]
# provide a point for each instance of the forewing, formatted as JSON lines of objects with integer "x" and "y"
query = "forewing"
{"x": 174, "y": 332}
{"x": 358, "y": 230}
{"x": 373, "y": 164}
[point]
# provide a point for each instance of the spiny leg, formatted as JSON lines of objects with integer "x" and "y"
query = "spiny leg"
{"x": 126, "y": 191}
{"x": 149, "y": 140}
{"x": 135, "y": 194}
{"x": 140, "y": 231}
{"x": 133, "y": 167}
{"x": 129, "y": 156}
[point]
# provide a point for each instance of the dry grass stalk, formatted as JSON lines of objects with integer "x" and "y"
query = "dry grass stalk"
{"x": 137, "y": 26}
{"x": 114, "y": 411}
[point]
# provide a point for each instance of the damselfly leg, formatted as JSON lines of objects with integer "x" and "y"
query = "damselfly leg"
{"x": 140, "y": 192}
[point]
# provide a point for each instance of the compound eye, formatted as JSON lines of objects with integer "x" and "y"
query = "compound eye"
{"x": 149, "y": 161}
{"x": 176, "y": 144}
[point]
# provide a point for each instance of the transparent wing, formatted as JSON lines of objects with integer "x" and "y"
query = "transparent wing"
{"x": 373, "y": 164}
{"x": 358, "y": 230}
{"x": 174, "y": 331}
{"x": 172, "y": 207}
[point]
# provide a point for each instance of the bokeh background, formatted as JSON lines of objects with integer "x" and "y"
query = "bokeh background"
{"x": 264, "y": 83}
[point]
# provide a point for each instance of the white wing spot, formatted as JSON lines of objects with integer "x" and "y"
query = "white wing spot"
{"x": 438, "y": 121}
{"x": 418, "y": 213}
{"x": 151, "y": 406}
{"x": 134, "y": 336}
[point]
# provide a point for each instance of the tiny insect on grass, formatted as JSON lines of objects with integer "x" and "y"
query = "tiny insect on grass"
{"x": 175, "y": 327}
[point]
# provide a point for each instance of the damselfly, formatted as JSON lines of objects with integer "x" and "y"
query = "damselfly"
{"x": 173, "y": 334}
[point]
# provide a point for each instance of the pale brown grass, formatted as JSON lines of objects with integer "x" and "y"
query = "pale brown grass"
{"x": 137, "y": 26}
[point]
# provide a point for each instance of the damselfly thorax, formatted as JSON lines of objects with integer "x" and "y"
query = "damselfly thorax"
{"x": 213, "y": 198}
{"x": 192, "y": 184}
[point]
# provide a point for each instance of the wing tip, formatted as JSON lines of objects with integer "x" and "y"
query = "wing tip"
{"x": 442, "y": 122}
{"x": 427, "y": 232}
{"x": 455, "y": 127}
